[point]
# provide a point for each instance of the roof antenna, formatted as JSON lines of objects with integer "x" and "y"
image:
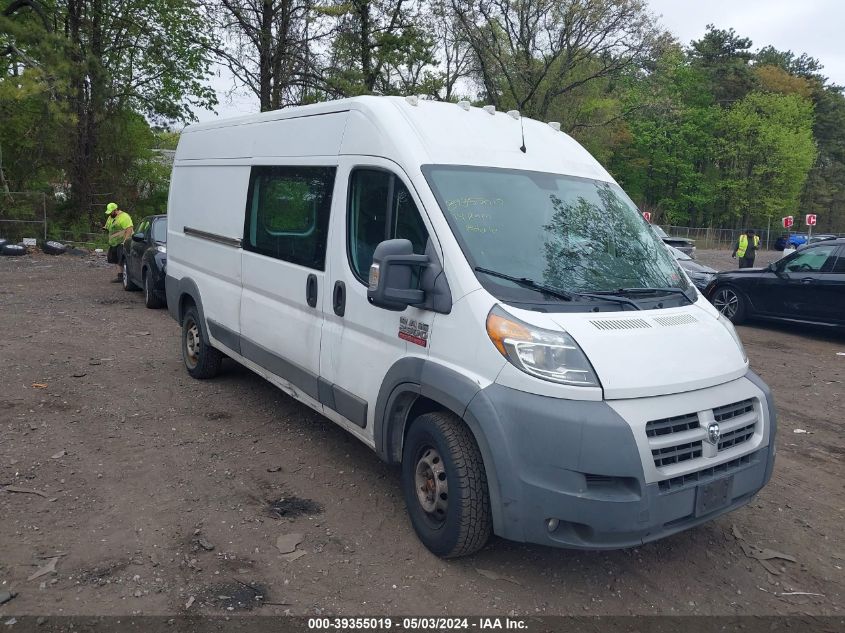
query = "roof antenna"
{"x": 522, "y": 129}
{"x": 514, "y": 114}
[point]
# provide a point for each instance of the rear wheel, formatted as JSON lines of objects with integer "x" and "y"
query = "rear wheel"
{"x": 127, "y": 284}
{"x": 151, "y": 299}
{"x": 731, "y": 303}
{"x": 201, "y": 359}
{"x": 445, "y": 485}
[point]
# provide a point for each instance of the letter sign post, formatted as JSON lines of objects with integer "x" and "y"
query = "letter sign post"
{"x": 810, "y": 220}
{"x": 788, "y": 221}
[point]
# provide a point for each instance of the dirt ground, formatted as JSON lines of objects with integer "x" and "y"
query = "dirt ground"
{"x": 165, "y": 495}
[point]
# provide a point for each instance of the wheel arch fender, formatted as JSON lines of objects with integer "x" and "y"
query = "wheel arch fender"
{"x": 413, "y": 386}
{"x": 180, "y": 293}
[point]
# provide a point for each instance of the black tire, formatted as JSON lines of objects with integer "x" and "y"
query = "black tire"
{"x": 54, "y": 248}
{"x": 466, "y": 523}
{"x": 201, "y": 359}
{"x": 12, "y": 250}
{"x": 127, "y": 283}
{"x": 151, "y": 299}
{"x": 731, "y": 302}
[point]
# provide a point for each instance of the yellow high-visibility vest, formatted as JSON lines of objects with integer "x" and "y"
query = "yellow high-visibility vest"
{"x": 743, "y": 244}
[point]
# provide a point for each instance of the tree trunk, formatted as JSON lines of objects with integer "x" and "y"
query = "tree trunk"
{"x": 365, "y": 51}
{"x": 265, "y": 56}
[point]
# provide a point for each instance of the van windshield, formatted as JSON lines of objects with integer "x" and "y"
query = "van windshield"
{"x": 573, "y": 234}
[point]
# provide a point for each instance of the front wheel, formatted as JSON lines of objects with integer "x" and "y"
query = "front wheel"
{"x": 201, "y": 359}
{"x": 445, "y": 486}
{"x": 731, "y": 303}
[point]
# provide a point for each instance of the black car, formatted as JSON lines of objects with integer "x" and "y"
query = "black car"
{"x": 683, "y": 244}
{"x": 806, "y": 286}
{"x": 699, "y": 274}
{"x": 145, "y": 260}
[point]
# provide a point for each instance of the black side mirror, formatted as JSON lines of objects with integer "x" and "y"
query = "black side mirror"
{"x": 139, "y": 237}
{"x": 392, "y": 275}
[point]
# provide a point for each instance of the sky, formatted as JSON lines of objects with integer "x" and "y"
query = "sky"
{"x": 815, "y": 27}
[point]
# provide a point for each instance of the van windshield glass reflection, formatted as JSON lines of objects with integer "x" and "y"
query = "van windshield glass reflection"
{"x": 575, "y": 234}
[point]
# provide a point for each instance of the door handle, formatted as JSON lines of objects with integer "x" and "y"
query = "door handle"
{"x": 311, "y": 290}
{"x": 807, "y": 280}
{"x": 339, "y": 298}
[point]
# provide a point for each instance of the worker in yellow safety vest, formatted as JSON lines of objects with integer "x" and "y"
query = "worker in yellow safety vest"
{"x": 746, "y": 248}
{"x": 119, "y": 227}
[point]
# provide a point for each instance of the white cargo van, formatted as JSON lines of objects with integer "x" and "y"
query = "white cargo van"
{"x": 473, "y": 296}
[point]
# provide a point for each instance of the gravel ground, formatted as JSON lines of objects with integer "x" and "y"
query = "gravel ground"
{"x": 159, "y": 494}
{"x": 722, "y": 260}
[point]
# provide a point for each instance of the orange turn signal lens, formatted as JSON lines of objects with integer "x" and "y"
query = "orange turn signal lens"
{"x": 500, "y": 328}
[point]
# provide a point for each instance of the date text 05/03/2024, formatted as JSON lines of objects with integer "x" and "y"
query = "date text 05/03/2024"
{"x": 417, "y": 623}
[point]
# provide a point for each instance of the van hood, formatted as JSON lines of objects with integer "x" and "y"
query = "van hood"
{"x": 656, "y": 352}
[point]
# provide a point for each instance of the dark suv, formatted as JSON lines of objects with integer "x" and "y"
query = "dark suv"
{"x": 145, "y": 261}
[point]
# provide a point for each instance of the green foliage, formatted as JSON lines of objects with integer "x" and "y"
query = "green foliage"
{"x": 765, "y": 150}
{"x": 711, "y": 134}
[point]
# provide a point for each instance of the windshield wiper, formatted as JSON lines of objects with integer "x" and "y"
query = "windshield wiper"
{"x": 609, "y": 295}
{"x": 525, "y": 282}
{"x": 666, "y": 289}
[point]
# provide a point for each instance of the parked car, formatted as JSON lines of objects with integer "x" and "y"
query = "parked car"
{"x": 823, "y": 237}
{"x": 683, "y": 244}
{"x": 807, "y": 286}
{"x": 797, "y": 239}
{"x": 145, "y": 261}
{"x": 699, "y": 274}
{"x": 403, "y": 268}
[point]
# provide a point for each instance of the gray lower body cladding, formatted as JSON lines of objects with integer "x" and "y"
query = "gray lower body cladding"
{"x": 577, "y": 463}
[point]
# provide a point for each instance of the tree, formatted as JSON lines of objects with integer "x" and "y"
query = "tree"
{"x": 380, "y": 46}
{"x": 667, "y": 162}
{"x": 765, "y": 151}
{"x": 528, "y": 53}
{"x": 725, "y": 58}
{"x": 112, "y": 57}
{"x": 268, "y": 46}
{"x": 454, "y": 61}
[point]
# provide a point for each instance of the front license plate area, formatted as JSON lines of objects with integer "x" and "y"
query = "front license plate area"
{"x": 713, "y": 496}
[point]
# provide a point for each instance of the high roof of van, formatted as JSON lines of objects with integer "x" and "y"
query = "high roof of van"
{"x": 407, "y": 130}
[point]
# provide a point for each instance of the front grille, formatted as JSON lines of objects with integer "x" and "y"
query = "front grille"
{"x": 685, "y": 438}
{"x": 679, "y": 423}
{"x": 676, "y": 454}
{"x": 705, "y": 474}
{"x": 737, "y": 436}
{"x": 723, "y": 414}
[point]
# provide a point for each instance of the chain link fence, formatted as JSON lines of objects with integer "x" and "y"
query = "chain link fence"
{"x": 710, "y": 238}
{"x": 23, "y": 215}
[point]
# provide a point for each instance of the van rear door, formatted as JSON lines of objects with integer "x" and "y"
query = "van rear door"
{"x": 283, "y": 268}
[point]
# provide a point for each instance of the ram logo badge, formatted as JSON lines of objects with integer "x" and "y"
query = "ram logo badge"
{"x": 713, "y": 433}
{"x": 413, "y": 331}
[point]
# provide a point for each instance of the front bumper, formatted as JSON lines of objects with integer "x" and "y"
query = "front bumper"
{"x": 583, "y": 465}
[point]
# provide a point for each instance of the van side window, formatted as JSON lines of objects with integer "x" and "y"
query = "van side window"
{"x": 287, "y": 213}
{"x": 380, "y": 208}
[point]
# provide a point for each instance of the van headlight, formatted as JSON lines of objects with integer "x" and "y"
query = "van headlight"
{"x": 546, "y": 354}
{"x": 732, "y": 331}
